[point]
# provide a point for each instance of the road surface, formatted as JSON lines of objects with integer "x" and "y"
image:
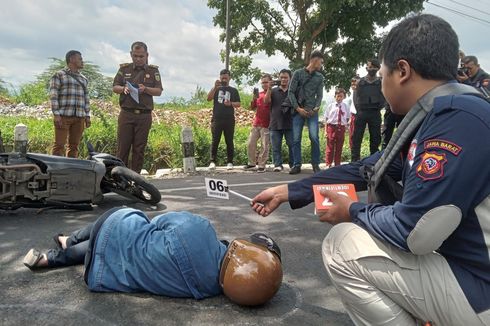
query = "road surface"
{"x": 60, "y": 297}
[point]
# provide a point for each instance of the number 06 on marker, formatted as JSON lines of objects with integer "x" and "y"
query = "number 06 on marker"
{"x": 217, "y": 188}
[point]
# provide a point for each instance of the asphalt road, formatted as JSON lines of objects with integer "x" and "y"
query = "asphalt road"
{"x": 60, "y": 297}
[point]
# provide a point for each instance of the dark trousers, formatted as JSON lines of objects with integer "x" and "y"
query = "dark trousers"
{"x": 76, "y": 248}
{"x": 132, "y": 134}
{"x": 219, "y": 127}
{"x": 276, "y": 141}
{"x": 391, "y": 121}
{"x": 77, "y": 244}
{"x": 373, "y": 119}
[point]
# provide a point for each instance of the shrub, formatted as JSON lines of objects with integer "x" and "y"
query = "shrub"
{"x": 163, "y": 149}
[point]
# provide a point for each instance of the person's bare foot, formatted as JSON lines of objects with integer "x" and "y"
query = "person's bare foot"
{"x": 35, "y": 259}
{"x": 62, "y": 239}
{"x": 43, "y": 262}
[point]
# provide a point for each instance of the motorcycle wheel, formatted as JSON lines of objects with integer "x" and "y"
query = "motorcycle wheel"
{"x": 136, "y": 187}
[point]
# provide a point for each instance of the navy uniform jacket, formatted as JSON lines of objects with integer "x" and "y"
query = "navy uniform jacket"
{"x": 448, "y": 163}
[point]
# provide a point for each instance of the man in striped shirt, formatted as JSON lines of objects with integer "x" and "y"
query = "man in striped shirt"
{"x": 69, "y": 98}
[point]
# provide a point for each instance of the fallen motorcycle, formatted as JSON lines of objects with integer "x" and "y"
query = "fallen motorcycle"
{"x": 38, "y": 180}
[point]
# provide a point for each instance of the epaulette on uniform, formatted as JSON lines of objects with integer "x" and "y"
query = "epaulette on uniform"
{"x": 153, "y": 66}
{"x": 122, "y": 65}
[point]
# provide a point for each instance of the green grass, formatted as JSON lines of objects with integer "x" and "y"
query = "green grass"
{"x": 163, "y": 149}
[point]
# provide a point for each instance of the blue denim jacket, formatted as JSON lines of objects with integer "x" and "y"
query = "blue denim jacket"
{"x": 176, "y": 254}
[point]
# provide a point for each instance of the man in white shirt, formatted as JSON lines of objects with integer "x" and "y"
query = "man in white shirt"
{"x": 336, "y": 119}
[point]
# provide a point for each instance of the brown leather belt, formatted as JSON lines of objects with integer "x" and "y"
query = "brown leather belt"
{"x": 137, "y": 111}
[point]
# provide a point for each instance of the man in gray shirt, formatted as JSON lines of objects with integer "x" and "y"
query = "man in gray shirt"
{"x": 305, "y": 94}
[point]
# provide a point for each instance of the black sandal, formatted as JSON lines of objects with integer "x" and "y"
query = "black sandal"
{"x": 57, "y": 240}
{"x": 32, "y": 258}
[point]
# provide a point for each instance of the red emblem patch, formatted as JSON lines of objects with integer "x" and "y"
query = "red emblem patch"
{"x": 432, "y": 166}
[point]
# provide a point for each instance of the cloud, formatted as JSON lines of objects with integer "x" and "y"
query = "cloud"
{"x": 180, "y": 34}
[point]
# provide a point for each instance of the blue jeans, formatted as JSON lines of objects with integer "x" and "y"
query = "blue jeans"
{"x": 76, "y": 247}
{"x": 276, "y": 141}
{"x": 298, "y": 124}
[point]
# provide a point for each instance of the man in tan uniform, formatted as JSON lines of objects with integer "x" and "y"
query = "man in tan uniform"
{"x": 134, "y": 121}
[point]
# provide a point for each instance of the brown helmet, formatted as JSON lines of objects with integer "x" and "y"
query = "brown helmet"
{"x": 251, "y": 272}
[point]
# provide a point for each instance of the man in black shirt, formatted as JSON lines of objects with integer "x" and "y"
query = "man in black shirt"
{"x": 225, "y": 100}
{"x": 369, "y": 101}
{"x": 281, "y": 124}
{"x": 391, "y": 121}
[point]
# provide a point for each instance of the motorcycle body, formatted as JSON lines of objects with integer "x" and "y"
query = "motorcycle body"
{"x": 39, "y": 180}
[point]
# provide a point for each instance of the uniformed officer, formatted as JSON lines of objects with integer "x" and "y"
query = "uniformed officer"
{"x": 390, "y": 122}
{"x": 134, "y": 121}
{"x": 369, "y": 101}
{"x": 420, "y": 251}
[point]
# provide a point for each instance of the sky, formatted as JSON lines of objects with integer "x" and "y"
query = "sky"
{"x": 180, "y": 35}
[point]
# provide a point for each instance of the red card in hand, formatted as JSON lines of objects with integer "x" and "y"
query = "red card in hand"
{"x": 323, "y": 204}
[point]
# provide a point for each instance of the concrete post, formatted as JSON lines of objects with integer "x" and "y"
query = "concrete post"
{"x": 187, "y": 141}
{"x": 20, "y": 139}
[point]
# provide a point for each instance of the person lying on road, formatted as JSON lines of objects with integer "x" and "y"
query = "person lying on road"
{"x": 176, "y": 254}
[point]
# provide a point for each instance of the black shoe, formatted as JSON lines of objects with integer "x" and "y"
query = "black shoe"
{"x": 249, "y": 167}
{"x": 260, "y": 170}
{"x": 295, "y": 170}
{"x": 316, "y": 168}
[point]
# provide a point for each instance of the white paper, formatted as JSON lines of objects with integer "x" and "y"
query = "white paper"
{"x": 133, "y": 92}
{"x": 217, "y": 188}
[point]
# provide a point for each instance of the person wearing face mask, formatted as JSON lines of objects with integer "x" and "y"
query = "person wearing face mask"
{"x": 369, "y": 101}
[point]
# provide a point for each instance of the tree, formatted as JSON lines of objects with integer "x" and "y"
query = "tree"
{"x": 34, "y": 93}
{"x": 3, "y": 88}
{"x": 242, "y": 71}
{"x": 344, "y": 30}
{"x": 100, "y": 86}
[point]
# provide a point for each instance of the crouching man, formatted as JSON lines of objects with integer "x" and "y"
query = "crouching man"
{"x": 175, "y": 254}
{"x": 420, "y": 252}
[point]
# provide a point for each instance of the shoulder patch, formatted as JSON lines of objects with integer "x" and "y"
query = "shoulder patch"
{"x": 444, "y": 145}
{"x": 153, "y": 66}
{"x": 122, "y": 65}
{"x": 431, "y": 166}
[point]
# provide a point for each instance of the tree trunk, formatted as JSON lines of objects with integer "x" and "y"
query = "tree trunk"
{"x": 308, "y": 50}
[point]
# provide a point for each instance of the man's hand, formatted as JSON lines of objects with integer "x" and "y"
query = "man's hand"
{"x": 271, "y": 199}
{"x": 339, "y": 211}
{"x": 141, "y": 88}
{"x": 462, "y": 78}
{"x": 227, "y": 103}
{"x": 88, "y": 123}
{"x": 57, "y": 121}
{"x": 302, "y": 112}
{"x": 217, "y": 83}
{"x": 125, "y": 90}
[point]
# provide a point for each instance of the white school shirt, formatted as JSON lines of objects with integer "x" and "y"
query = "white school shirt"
{"x": 332, "y": 114}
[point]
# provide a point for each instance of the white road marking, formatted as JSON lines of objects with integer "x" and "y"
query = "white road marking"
{"x": 229, "y": 185}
